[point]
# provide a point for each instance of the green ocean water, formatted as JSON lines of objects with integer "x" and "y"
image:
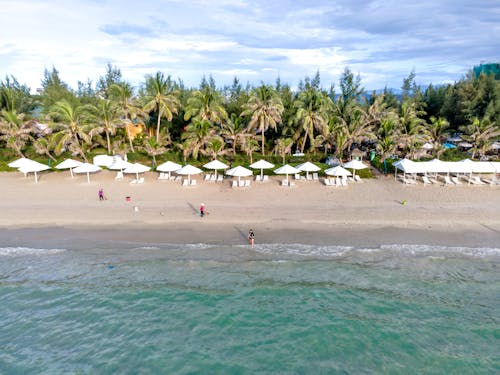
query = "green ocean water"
{"x": 281, "y": 308}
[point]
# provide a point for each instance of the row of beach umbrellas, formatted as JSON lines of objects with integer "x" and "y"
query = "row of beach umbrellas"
{"x": 25, "y": 166}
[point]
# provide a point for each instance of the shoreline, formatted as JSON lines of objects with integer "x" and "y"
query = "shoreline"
{"x": 61, "y": 209}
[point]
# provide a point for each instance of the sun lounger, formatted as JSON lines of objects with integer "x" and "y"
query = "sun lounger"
{"x": 247, "y": 183}
{"x": 357, "y": 179}
{"x": 343, "y": 181}
{"x": 234, "y": 183}
{"x": 185, "y": 182}
{"x": 426, "y": 180}
{"x": 291, "y": 183}
{"x": 257, "y": 178}
{"x": 207, "y": 177}
{"x": 447, "y": 181}
{"x": 241, "y": 183}
{"x": 265, "y": 178}
{"x": 475, "y": 180}
{"x": 488, "y": 181}
{"x": 163, "y": 176}
{"x": 178, "y": 179}
{"x": 284, "y": 183}
{"x": 309, "y": 177}
{"x": 213, "y": 178}
{"x": 119, "y": 176}
{"x": 140, "y": 180}
{"x": 297, "y": 176}
{"x": 134, "y": 181}
{"x": 327, "y": 182}
{"x": 455, "y": 180}
{"x": 315, "y": 176}
{"x": 220, "y": 178}
{"x": 193, "y": 183}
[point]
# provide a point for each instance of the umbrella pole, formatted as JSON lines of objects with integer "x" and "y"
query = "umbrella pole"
{"x": 262, "y": 174}
{"x": 88, "y": 177}
{"x": 36, "y": 178}
{"x": 71, "y": 171}
{"x": 137, "y": 176}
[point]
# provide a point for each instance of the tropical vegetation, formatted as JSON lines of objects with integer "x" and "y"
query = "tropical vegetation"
{"x": 163, "y": 119}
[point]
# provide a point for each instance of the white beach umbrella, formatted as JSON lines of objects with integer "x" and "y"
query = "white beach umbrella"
{"x": 168, "y": 166}
{"x": 436, "y": 166}
{"x": 286, "y": 169}
{"x": 308, "y": 167}
{"x": 465, "y": 145}
{"x": 18, "y": 163}
{"x": 239, "y": 172}
{"x": 33, "y": 166}
{"x": 119, "y": 165}
{"x": 338, "y": 171}
{"x": 188, "y": 170}
{"x": 495, "y": 146}
{"x": 103, "y": 160}
{"x": 261, "y": 164}
{"x": 215, "y": 164}
{"x": 137, "y": 168}
{"x": 87, "y": 168}
{"x": 69, "y": 164}
{"x": 427, "y": 146}
{"x": 355, "y": 165}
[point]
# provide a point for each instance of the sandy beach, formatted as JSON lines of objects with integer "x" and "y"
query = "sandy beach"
{"x": 369, "y": 213}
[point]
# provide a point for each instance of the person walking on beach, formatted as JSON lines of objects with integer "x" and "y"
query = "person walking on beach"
{"x": 251, "y": 237}
{"x": 101, "y": 194}
{"x": 202, "y": 209}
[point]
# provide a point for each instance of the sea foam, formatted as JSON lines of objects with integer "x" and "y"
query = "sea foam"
{"x": 24, "y": 251}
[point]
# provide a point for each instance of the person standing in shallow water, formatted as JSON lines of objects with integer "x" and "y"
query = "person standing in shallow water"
{"x": 202, "y": 209}
{"x": 251, "y": 237}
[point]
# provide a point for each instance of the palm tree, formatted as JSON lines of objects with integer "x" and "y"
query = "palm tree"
{"x": 481, "y": 134}
{"x": 234, "y": 131}
{"x": 206, "y": 104}
{"x": 387, "y": 134}
{"x": 264, "y": 108}
{"x": 437, "y": 129}
{"x": 152, "y": 147}
{"x": 413, "y": 131}
{"x": 42, "y": 147}
{"x": 161, "y": 99}
{"x": 123, "y": 94}
{"x": 249, "y": 147}
{"x": 311, "y": 114}
{"x": 215, "y": 147}
{"x": 107, "y": 114}
{"x": 196, "y": 136}
{"x": 71, "y": 121}
{"x": 283, "y": 147}
{"x": 14, "y": 131}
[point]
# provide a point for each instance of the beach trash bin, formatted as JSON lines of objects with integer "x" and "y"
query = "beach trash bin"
{"x": 127, "y": 199}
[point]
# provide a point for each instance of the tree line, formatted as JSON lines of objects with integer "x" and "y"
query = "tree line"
{"x": 244, "y": 120}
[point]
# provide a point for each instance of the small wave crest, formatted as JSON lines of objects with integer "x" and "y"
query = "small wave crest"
{"x": 24, "y": 251}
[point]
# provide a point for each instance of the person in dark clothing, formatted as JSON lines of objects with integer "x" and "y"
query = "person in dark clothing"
{"x": 101, "y": 194}
{"x": 251, "y": 237}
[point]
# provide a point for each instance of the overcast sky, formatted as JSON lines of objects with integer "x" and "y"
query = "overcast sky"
{"x": 255, "y": 40}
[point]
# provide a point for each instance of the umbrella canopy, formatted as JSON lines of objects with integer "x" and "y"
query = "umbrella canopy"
{"x": 239, "y": 172}
{"x": 137, "y": 168}
{"x": 261, "y": 164}
{"x": 119, "y": 165}
{"x": 408, "y": 166}
{"x": 354, "y": 165}
{"x": 286, "y": 169}
{"x": 436, "y": 166}
{"x": 215, "y": 164}
{"x": 455, "y": 138}
{"x": 495, "y": 146}
{"x": 465, "y": 145}
{"x": 69, "y": 164}
{"x": 338, "y": 171}
{"x": 308, "y": 167}
{"x": 19, "y": 163}
{"x": 168, "y": 166}
{"x": 33, "y": 166}
{"x": 87, "y": 168}
{"x": 103, "y": 160}
{"x": 449, "y": 145}
{"x": 188, "y": 170}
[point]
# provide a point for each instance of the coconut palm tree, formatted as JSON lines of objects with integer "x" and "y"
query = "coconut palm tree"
{"x": 387, "y": 135}
{"x": 311, "y": 115}
{"x": 196, "y": 136}
{"x": 152, "y": 147}
{"x": 107, "y": 114}
{"x": 283, "y": 147}
{"x": 264, "y": 107}
{"x": 42, "y": 147}
{"x": 234, "y": 131}
{"x": 123, "y": 95}
{"x": 206, "y": 104}
{"x": 437, "y": 129}
{"x": 162, "y": 99}
{"x": 481, "y": 134}
{"x": 249, "y": 147}
{"x": 14, "y": 131}
{"x": 413, "y": 131}
{"x": 71, "y": 127}
{"x": 215, "y": 147}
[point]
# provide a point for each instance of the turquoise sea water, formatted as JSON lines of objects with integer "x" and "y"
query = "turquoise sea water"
{"x": 288, "y": 309}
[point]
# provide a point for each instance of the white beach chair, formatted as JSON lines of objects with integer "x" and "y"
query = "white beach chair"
{"x": 447, "y": 181}
{"x": 297, "y": 176}
{"x": 309, "y": 177}
{"x": 357, "y": 179}
{"x": 193, "y": 182}
{"x": 220, "y": 178}
{"x": 207, "y": 177}
{"x": 234, "y": 183}
{"x": 343, "y": 181}
{"x": 327, "y": 182}
{"x": 134, "y": 181}
{"x": 292, "y": 184}
{"x": 140, "y": 180}
{"x": 455, "y": 180}
{"x": 178, "y": 179}
{"x": 247, "y": 183}
{"x": 213, "y": 178}
{"x": 185, "y": 182}
{"x": 284, "y": 183}
{"x": 315, "y": 176}
{"x": 265, "y": 178}
{"x": 119, "y": 176}
{"x": 475, "y": 180}
{"x": 426, "y": 180}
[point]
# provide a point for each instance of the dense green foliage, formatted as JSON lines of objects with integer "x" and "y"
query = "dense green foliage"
{"x": 237, "y": 122}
